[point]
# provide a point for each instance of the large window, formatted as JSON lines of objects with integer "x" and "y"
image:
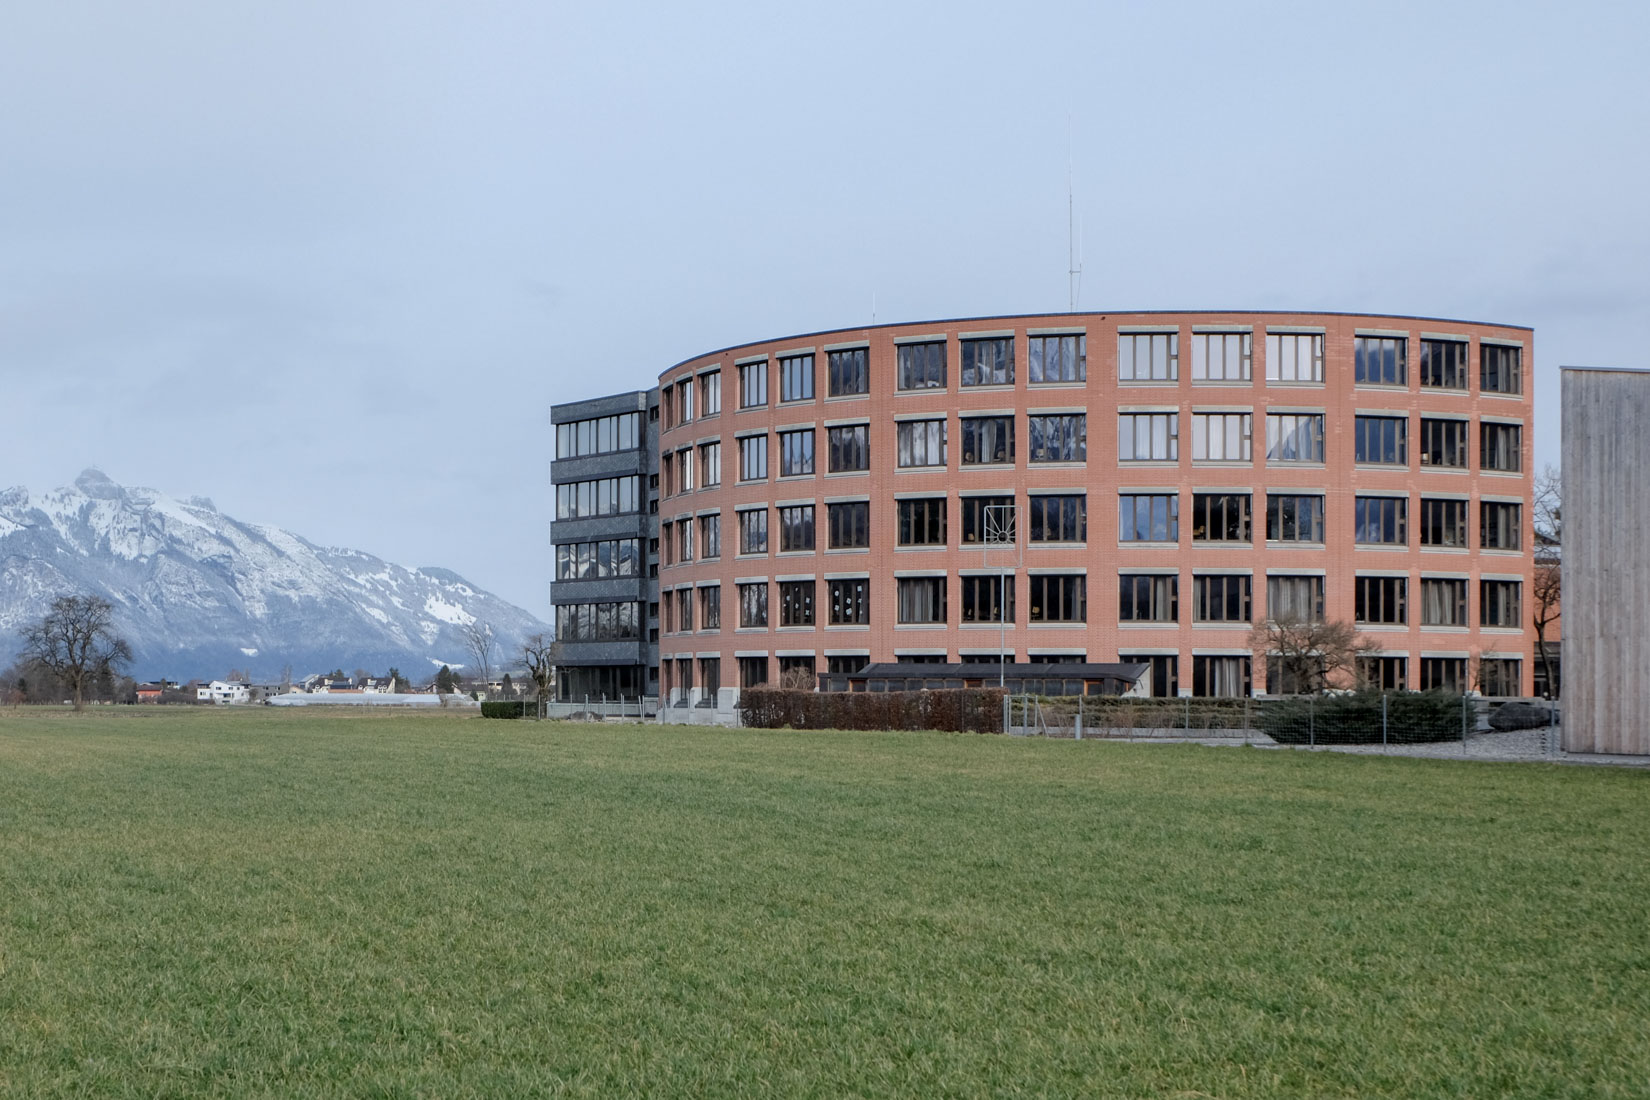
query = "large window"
{"x": 1443, "y": 442}
{"x": 922, "y": 522}
{"x": 978, "y": 519}
{"x": 1498, "y": 603}
{"x": 1218, "y": 677}
{"x": 710, "y": 607}
{"x": 684, "y": 401}
{"x": 796, "y": 453}
{"x": 753, "y": 604}
{"x": 710, "y": 536}
{"x": 1148, "y": 437}
{"x": 1148, "y": 517}
{"x": 1062, "y": 518}
{"x": 684, "y": 463}
{"x": 1148, "y": 597}
{"x": 988, "y": 362}
{"x": 1444, "y": 674}
{"x": 1500, "y": 368}
{"x": 921, "y": 366}
{"x": 608, "y": 496}
{"x": 1294, "y": 437}
{"x": 850, "y": 601}
{"x": 753, "y": 671}
{"x": 710, "y": 393}
{"x": 796, "y": 527}
{"x": 1221, "y": 437}
{"x": 1384, "y": 673}
{"x": 987, "y": 599}
{"x": 1381, "y": 360}
{"x": 848, "y": 448}
{"x": 796, "y": 378}
{"x": 1222, "y": 597}
{"x": 1499, "y": 677}
{"x": 920, "y": 443}
{"x": 1221, "y": 517}
{"x": 920, "y": 599}
{"x": 1222, "y": 356}
{"x": 848, "y": 372}
{"x": 1294, "y": 517}
{"x": 1443, "y": 522}
{"x": 1381, "y": 520}
{"x": 1058, "y": 597}
{"x": 710, "y": 464}
{"x": 1294, "y": 357}
{"x": 599, "y": 436}
{"x": 587, "y": 561}
{"x": 753, "y": 458}
{"x": 684, "y": 538}
{"x": 1148, "y": 356}
{"x": 1382, "y": 440}
{"x": 1165, "y": 672}
{"x": 597, "y": 622}
{"x": 987, "y": 440}
{"x": 1057, "y": 359}
{"x": 1500, "y": 525}
{"x": 1057, "y": 438}
{"x": 1444, "y": 364}
{"x": 753, "y": 385}
{"x": 753, "y": 531}
{"x": 1443, "y": 601}
{"x": 1500, "y": 447}
{"x": 796, "y": 603}
{"x": 1298, "y": 599}
{"x": 849, "y": 525}
{"x": 1380, "y": 600}
{"x": 684, "y": 609}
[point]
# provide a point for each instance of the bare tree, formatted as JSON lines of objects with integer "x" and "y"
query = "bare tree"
{"x": 540, "y": 653}
{"x": 1312, "y": 655}
{"x": 1547, "y": 585}
{"x": 77, "y": 642}
{"x": 798, "y": 679}
{"x": 478, "y": 639}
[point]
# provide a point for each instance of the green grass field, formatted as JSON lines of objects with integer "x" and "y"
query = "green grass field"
{"x": 295, "y": 903}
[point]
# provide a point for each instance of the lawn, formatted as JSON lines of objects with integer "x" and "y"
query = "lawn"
{"x": 293, "y": 903}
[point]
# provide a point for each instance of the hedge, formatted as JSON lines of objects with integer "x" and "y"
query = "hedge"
{"x": 1355, "y": 718}
{"x": 509, "y": 708}
{"x": 970, "y": 710}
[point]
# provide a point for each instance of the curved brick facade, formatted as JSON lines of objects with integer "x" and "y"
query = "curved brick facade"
{"x": 1414, "y": 432}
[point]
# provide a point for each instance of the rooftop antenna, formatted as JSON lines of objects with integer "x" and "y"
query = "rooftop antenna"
{"x": 1074, "y": 260}
{"x": 873, "y": 309}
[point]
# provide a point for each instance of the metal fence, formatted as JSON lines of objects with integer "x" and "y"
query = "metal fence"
{"x": 600, "y": 708}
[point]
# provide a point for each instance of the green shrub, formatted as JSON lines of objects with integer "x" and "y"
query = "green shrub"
{"x": 511, "y": 708}
{"x": 1355, "y": 718}
{"x": 971, "y": 710}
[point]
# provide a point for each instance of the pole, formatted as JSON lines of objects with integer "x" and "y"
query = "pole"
{"x": 1002, "y": 619}
{"x": 1383, "y": 719}
{"x": 1311, "y": 724}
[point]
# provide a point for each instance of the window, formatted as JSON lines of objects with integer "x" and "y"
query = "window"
{"x": 753, "y": 531}
{"x": 789, "y": 665}
{"x": 753, "y": 385}
{"x": 848, "y": 448}
{"x": 1057, "y": 597}
{"x": 1221, "y": 437}
{"x": 710, "y": 393}
{"x": 1148, "y": 357}
{"x": 987, "y": 440}
{"x": 710, "y": 464}
{"x": 1220, "y": 677}
{"x": 848, "y": 372}
{"x": 1165, "y": 672}
{"x": 1499, "y": 368}
{"x": 920, "y": 442}
{"x": 1444, "y": 364}
{"x": 1443, "y": 442}
{"x": 920, "y": 599}
{"x": 1058, "y": 438}
{"x": 922, "y": 522}
{"x": 710, "y": 607}
{"x": 796, "y": 378}
{"x": 753, "y": 604}
{"x": 1499, "y": 677}
{"x": 1294, "y": 518}
{"x": 796, "y": 453}
{"x": 753, "y": 458}
{"x": 710, "y": 536}
{"x": 1148, "y": 598}
{"x": 1380, "y": 599}
{"x": 1222, "y": 598}
{"x": 710, "y": 679}
{"x": 684, "y": 609}
{"x": 850, "y": 601}
{"x": 1499, "y": 525}
{"x": 1057, "y": 359}
{"x": 1500, "y": 447}
{"x": 978, "y": 521}
{"x": 1443, "y": 522}
{"x": 796, "y": 527}
{"x": 1153, "y": 517}
{"x": 1498, "y": 603}
{"x": 1222, "y": 356}
{"x": 596, "y": 622}
{"x": 1444, "y": 674}
{"x": 1381, "y": 520}
{"x": 921, "y": 366}
{"x": 684, "y": 463}
{"x": 838, "y": 664}
{"x": 849, "y": 525}
{"x": 585, "y": 561}
{"x": 684, "y": 401}
{"x": 753, "y": 671}
{"x": 1299, "y": 599}
{"x": 1062, "y": 518}
{"x": 984, "y": 598}
{"x": 1221, "y": 517}
{"x": 1294, "y": 437}
{"x": 1148, "y": 437}
{"x": 1380, "y": 360}
{"x": 608, "y": 496}
{"x": 988, "y": 362}
{"x": 1381, "y": 439}
{"x": 599, "y": 436}
{"x": 796, "y": 603}
{"x": 1384, "y": 673}
{"x": 1294, "y": 358}
{"x": 684, "y": 539}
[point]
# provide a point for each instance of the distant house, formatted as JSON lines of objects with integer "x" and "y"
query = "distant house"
{"x": 152, "y": 692}
{"x": 224, "y": 691}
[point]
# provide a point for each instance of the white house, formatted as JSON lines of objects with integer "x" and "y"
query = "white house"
{"x": 224, "y": 691}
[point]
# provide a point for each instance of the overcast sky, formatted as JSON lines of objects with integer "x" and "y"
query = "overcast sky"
{"x": 331, "y": 263}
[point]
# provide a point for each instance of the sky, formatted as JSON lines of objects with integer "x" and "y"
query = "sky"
{"x": 330, "y": 264}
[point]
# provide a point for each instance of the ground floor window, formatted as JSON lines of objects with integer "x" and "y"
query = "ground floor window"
{"x": 1165, "y": 674}
{"x": 1501, "y": 676}
{"x": 600, "y": 682}
{"x": 753, "y": 672}
{"x": 1226, "y": 677}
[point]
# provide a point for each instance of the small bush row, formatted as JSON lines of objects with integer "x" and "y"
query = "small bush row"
{"x": 505, "y": 708}
{"x": 969, "y": 710}
{"x": 1356, "y": 718}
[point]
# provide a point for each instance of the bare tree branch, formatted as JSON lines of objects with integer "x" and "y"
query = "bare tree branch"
{"x": 77, "y": 642}
{"x": 478, "y": 639}
{"x": 1312, "y": 655}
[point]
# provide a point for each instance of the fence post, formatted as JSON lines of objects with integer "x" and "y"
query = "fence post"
{"x": 1246, "y": 716}
{"x": 1006, "y": 705}
{"x": 1079, "y": 718}
{"x": 1383, "y": 719}
{"x": 1188, "y": 724}
{"x": 1311, "y": 723}
{"x": 1463, "y": 723}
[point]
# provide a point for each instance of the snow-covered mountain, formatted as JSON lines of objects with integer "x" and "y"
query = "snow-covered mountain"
{"x": 198, "y": 593}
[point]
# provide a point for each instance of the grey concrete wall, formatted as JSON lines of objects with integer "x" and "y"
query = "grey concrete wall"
{"x": 1606, "y": 560}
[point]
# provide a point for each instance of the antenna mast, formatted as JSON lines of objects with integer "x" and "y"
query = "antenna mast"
{"x": 1074, "y": 265}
